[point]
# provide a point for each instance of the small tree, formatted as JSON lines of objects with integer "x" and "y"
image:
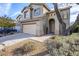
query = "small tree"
{"x": 6, "y": 22}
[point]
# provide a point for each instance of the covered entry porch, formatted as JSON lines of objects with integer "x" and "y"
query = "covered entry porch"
{"x": 52, "y": 27}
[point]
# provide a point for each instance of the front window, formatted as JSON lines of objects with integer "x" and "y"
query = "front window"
{"x": 26, "y": 14}
{"x": 37, "y": 12}
{"x": 65, "y": 15}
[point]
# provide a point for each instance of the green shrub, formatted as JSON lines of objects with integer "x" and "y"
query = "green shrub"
{"x": 75, "y": 28}
{"x": 63, "y": 45}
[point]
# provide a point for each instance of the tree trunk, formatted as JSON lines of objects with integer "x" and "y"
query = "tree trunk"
{"x": 60, "y": 19}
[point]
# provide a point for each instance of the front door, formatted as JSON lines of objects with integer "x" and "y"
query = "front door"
{"x": 51, "y": 26}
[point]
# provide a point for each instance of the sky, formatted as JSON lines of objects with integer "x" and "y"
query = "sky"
{"x": 13, "y": 9}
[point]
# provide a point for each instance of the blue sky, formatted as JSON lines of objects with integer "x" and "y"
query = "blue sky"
{"x": 13, "y": 9}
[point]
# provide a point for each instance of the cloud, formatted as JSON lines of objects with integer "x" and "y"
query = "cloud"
{"x": 18, "y": 12}
{"x": 73, "y": 18}
{"x": 2, "y": 9}
{"x": 8, "y": 7}
{"x": 74, "y": 11}
{"x": 5, "y": 8}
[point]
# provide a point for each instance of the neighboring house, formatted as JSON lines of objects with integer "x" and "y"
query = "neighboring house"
{"x": 17, "y": 27}
{"x": 18, "y": 19}
{"x": 38, "y": 20}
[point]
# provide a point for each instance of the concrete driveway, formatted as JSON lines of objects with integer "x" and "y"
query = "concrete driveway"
{"x": 15, "y": 36}
{"x": 12, "y": 39}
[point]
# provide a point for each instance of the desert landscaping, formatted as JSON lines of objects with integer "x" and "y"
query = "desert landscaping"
{"x": 56, "y": 45}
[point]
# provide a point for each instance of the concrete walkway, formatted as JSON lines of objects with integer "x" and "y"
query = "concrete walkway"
{"x": 12, "y": 39}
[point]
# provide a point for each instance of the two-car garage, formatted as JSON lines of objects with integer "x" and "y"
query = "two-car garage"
{"x": 29, "y": 28}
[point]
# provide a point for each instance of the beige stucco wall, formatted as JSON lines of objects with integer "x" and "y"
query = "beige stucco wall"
{"x": 40, "y": 28}
{"x": 44, "y": 10}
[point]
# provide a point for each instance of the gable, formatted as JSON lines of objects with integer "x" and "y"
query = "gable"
{"x": 38, "y": 9}
{"x": 36, "y": 4}
{"x": 45, "y": 10}
{"x": 40, "y": 4}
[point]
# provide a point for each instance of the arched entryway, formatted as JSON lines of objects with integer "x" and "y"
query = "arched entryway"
{"x": 52, "y": 26}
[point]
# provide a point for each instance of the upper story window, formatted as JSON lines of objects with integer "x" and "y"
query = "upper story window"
{"x": 65, "y": 15}
{"x": 37, "y": 12}
{"x": 26, "y": 14}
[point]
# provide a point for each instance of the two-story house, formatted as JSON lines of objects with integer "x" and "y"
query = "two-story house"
{"x": 38, "y": 19}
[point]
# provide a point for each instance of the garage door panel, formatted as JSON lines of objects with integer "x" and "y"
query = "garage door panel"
{"x": 30, "y": 29}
